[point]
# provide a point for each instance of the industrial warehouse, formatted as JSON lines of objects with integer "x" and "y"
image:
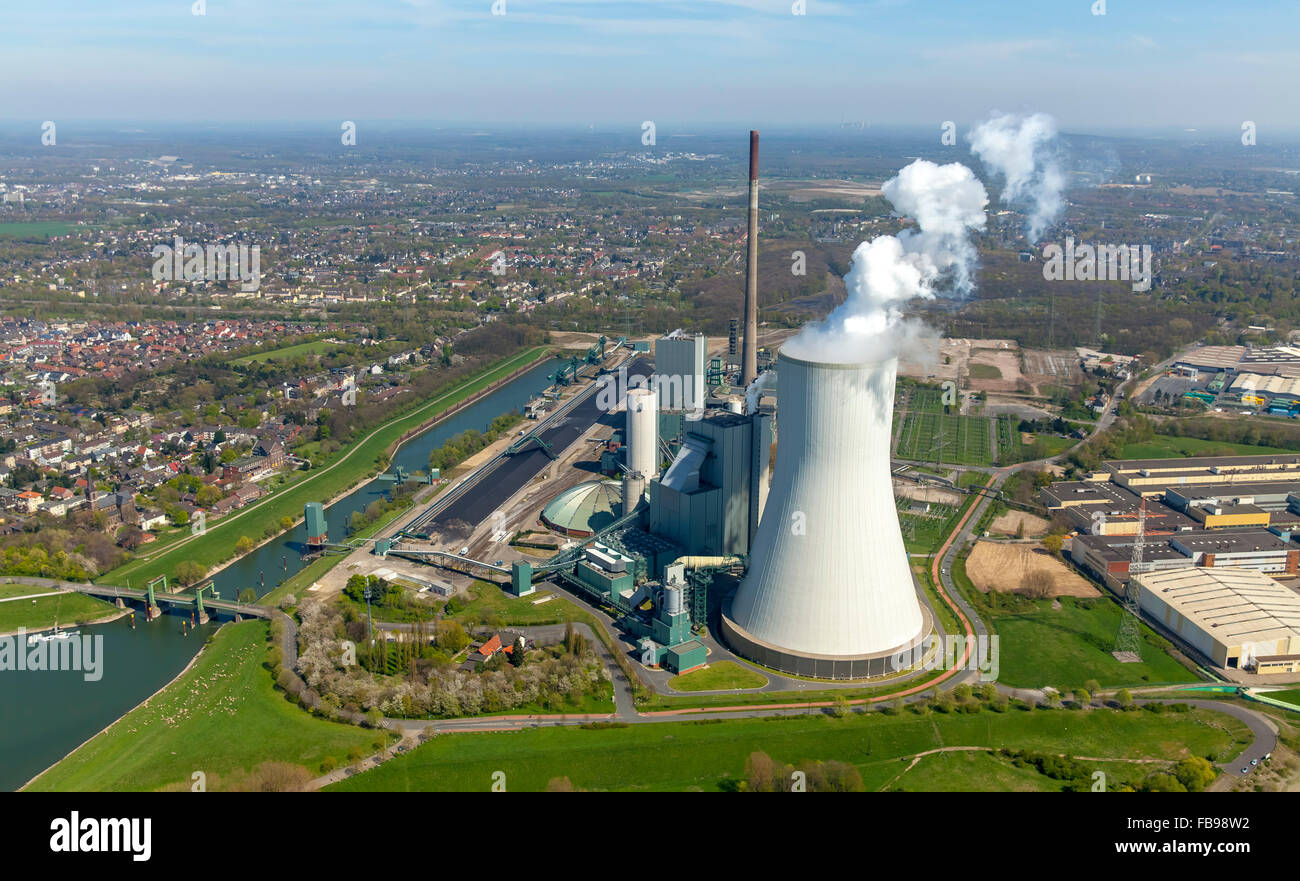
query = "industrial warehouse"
{"x": 1218, "y": 563}
{"x": 1238, "y": 618}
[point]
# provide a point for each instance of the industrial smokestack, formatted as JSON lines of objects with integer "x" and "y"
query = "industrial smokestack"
{"x": 829, "y": 592}
{"x": 749, "y": 363}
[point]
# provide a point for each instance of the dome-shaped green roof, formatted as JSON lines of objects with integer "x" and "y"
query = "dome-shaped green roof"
{"x": 585, "y": 508}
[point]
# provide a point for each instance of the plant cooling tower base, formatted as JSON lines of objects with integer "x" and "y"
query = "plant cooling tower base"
{"x": 813, "y": 666}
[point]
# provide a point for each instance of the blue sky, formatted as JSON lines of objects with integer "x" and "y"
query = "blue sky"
{"x": 1157, "y": 63}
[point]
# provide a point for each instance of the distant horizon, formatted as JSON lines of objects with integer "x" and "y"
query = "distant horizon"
{"x": 666, "y": 129}
{"x": 1160, "y": 64}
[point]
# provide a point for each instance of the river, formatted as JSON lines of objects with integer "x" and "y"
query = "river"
{"x": 48, "y": 714}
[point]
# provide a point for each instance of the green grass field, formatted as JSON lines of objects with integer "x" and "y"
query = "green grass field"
{"x": 1166, "y": 447}
{"x": 315, "y": 347}
{"x": 694, "y": 756}
{"x": 20, "y": 590}
{"x": 1067, "y": 647}
{"x": 598, "y": 701}
{"x": 68, "y": 609}
{"x": 223, "y": 715}
{"x": 37, "y": 229}
{"x": 1055, "y": 445}
{"x": 968, "y": 771}
{"x": 718, "y": 677}
{"x": 488, "y": 601}
{"x": 347, "y": 468}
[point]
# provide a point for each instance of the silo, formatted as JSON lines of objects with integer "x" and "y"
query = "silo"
{"x": 642, "y": 433}
{"x": 672, "y": 601}
{"x": 829, "y": 590}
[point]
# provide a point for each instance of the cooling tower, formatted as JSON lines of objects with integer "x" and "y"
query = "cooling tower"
{"x": 829, "y": 591}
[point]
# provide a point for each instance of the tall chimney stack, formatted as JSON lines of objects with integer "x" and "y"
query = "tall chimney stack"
{"x": 749, "y": 363}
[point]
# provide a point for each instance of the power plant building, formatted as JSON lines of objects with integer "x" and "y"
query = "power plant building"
{"x": 584, "y": 509}
{"x": 708, "y": 499}
{"x": 680, "y": 367}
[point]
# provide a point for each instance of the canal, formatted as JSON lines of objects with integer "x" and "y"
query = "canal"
{"x": 48, "y": 714}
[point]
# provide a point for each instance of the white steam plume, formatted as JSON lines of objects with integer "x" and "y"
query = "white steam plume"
{"x": 1023, "y": 150}
{"x": 947, "y": 202}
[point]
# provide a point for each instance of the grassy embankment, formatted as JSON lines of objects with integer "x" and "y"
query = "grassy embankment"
{"x": 223, "y": 716}
{"x": 67, "y": 609}
{"x": 1289, "y": 696}
{"x": 349, "y": 467}
{"x": 678, "y": 756}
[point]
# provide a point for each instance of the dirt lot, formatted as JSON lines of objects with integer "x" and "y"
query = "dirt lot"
{"x": 932, "y": 494}
{"x": 1011, "y": 521}
{"x": 1004, "y": 567}
{"x": 1004, "y": 359}
{"x": 930, "y": 365}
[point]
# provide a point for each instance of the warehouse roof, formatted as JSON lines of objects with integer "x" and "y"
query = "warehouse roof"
{"x": 1085, "y": 492}
{"x": 1202, "y": 463}
{"x": 1231, "y": 605}
{"x": 1273, "y": 385}
{"x": 1119, "y": 548}
{"x": 1215, "y": 357}
{"x": 1223, "y": 541}
{"x": 1223, "y": 491}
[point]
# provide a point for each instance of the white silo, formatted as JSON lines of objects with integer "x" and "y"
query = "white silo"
{"x": 829, "y": 590}
{"x": 642, "y": 444}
